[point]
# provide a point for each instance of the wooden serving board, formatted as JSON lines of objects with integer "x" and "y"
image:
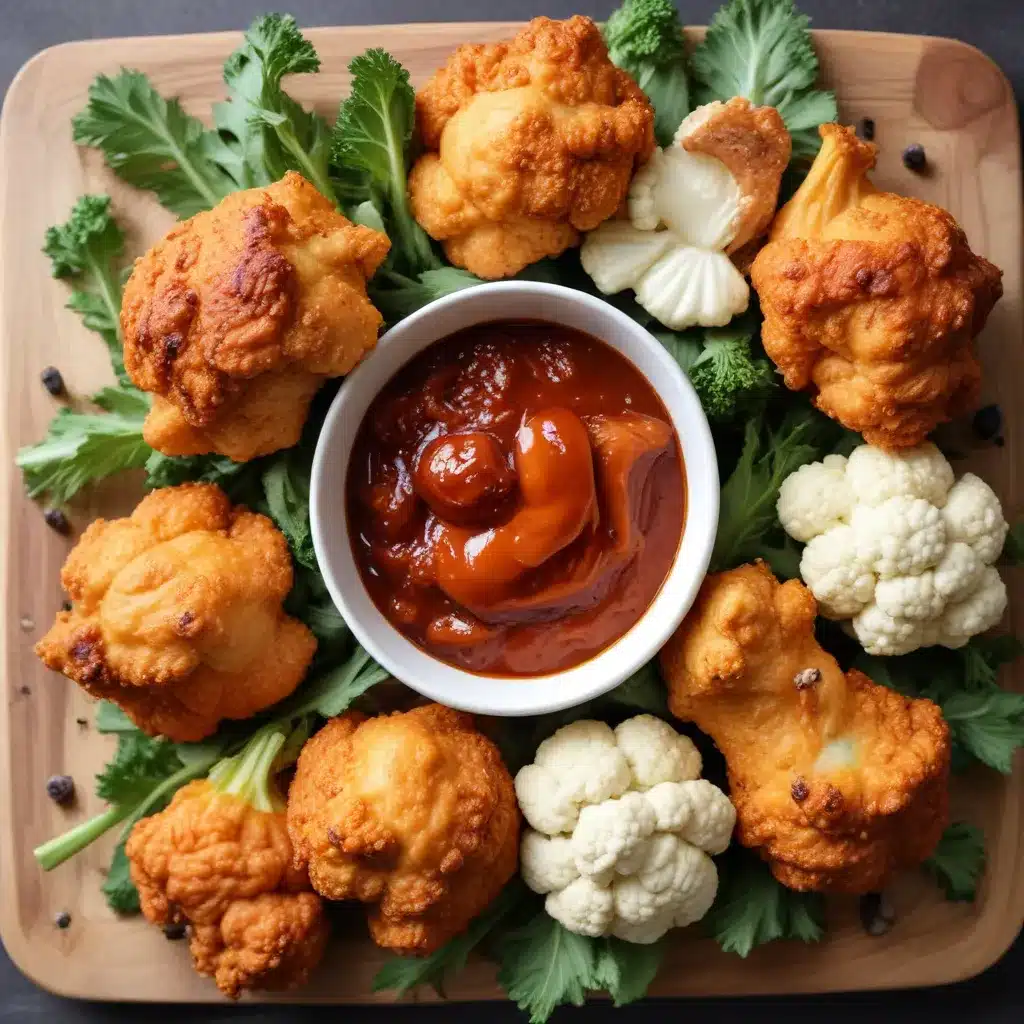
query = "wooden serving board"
{"x": 941, "y": 93}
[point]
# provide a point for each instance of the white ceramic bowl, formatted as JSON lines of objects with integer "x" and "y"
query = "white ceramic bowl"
{"x": 493, "y": 695}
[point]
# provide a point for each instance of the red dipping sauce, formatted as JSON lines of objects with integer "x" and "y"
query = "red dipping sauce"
{"x": 515, "y": 498}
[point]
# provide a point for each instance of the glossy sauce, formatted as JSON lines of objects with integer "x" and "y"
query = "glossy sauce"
{"x": 516, "y": 498}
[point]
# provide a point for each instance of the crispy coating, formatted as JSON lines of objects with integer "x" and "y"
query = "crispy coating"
{"x": 872, "y": 300}
{"x": 226, "y": 869}
{"x": 177, "y": 614}
{"x": 237, "y": 317}
{"x": 838, "y": 782}
{"x": 755, "y": 146}
{"x": 414, "y": 813}
{"x": 527, "y": 143}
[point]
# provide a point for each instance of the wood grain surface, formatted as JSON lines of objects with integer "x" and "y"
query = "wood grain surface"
{"x": 940, "y": 93}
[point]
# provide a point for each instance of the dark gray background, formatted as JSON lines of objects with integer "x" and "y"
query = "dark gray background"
{"x": 996, "y": 26}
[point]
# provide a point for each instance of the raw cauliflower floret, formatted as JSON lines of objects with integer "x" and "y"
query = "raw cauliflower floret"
{"x": 902, "y": 536}
{"x": 914, "y": 566}
{"x": 875, "y": 475}
{"x": 656, "y": 752}
{"x": 832, "y": 567}
{"x": 583, "y": 766}
{"x": 973, "y": 514}
{"x": 635, "y": 863}
{"x": 979, "y": 611}
{"x": 815, "y": 498}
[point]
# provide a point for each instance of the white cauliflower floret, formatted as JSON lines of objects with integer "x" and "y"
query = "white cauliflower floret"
{"x": 689, "y": 286}
{"x": 815, "y": 498}
{"x": 579, "y": 764}
{"x": 875, "y": 475}
{"x": 609, "y": 831}
{"x": 656, "y": 752}
{"x": 675, "y": 886}
{"x": 974, "y": 515}
{"x": 634, "y": 864}
{"x": 831, "y": 566}
{"x": 547, "y": 862}
{"x": 902, "y": 536}
{"x": 696, "y": 811}
{"x": 888, "y": 635}
{"x": 583, "y": 907}
{"x": 913, "y": 567}
{"x": 980, "y": 610}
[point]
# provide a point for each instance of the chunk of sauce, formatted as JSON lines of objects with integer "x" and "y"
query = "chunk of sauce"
{"x": 515, "y": 498}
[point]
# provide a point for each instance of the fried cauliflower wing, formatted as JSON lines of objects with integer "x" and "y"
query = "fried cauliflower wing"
{"x": 176, "y": 614}
{"x": 412, "y": 812}
{"x": 237, "y": 317}
{"x": 838, "y": 782}
{"x": 216, "y": 863}
{"x": 872, "y": 300}
{"x": 527, "y": 143}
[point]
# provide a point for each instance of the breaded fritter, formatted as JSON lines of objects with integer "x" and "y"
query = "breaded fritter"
{"x": 528, "y": 143}
{"x": 872, "y": 300}
{"x": 413, "y": 812}
{"x": 177, "y": 615}
{"x": 837, "y": 782}
{"x": 237, "y": 317}
{"x": 214, "y": 862}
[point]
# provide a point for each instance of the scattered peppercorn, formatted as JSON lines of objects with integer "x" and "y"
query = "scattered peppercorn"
{"x": 876, "y": 914}
{"x": 82, "y": 722}
{"x": 866, "y": 129}
{"x": 60, "y": 788}
{"x": 806, "y": 678}
{"x": 62, "y": 920}
{"x": 66, "y": 606}
{"x": 56, "y": 520}
{"x": 987, "y": 423}
{"x": 25, "y": 691}
{"x": 174, "y": 931}
{"x": 914, "y": 158}
{"x": 53, "y": 381}
{"x": 799, "y": 790}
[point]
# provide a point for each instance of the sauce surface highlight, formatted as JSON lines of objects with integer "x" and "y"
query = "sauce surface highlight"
{"x": 515, "y": 498}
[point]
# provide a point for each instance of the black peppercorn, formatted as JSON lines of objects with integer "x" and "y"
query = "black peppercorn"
{"x": 914, "y": 158}
{"x": 53, "y": 381}
{"x": 987, "y": 423}
{"x": 62, "y": 920}
{"x": 60, "y": 788}
{"x": 175, "y": 931}
{"x": 866, "y": 129}
{"x": 56, "y": 520}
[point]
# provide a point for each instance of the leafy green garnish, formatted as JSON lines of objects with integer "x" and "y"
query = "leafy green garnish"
{"x": 152, "y": 143}
{"x": 396, "y": 295}
{"x": 286, "y": 486}
{"x": 749, "y": 496}
{"x": 762, "y": 50}
{"x": 645, "y": 38}
{"x": 270, "y": 132}
{"x": 958, "y": 861}
{"x": 85, "y": 249}
{"x": 82, "y": 447}
{"x": 544, "y": 966}
{"x": 752, "y": 908}
{"x": 371, "y": 137}
{"x": 334, "y": 691}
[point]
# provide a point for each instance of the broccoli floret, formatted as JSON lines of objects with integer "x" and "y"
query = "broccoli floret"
{"x": 727, "y": 376}
{"x": 644, "y": 30}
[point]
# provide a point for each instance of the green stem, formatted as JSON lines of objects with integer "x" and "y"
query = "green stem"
{"x": 111, "y": 296}
{"x": 317, "y": 175}
{"x": 247, "y": 775}
{"x": 62, "y": 848}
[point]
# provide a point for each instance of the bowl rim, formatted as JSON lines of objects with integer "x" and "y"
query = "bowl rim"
{"x": 494, "y": 694}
